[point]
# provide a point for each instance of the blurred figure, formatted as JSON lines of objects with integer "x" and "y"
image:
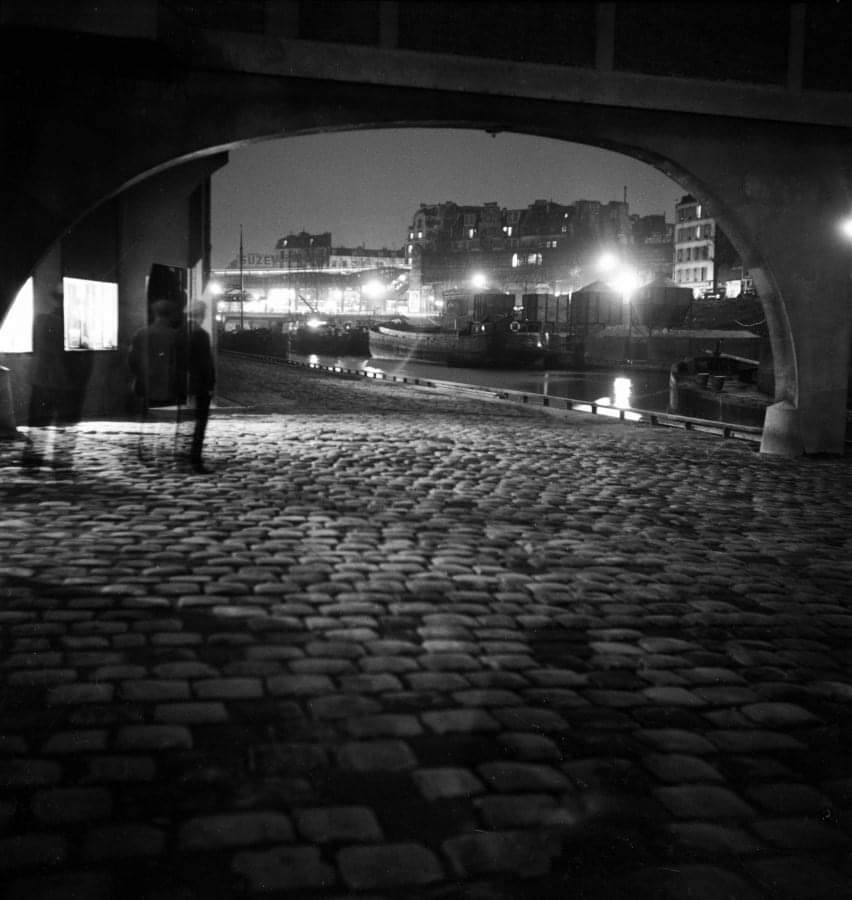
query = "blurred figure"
{"x": 201, "y": 374}
{"x": 52, "y": 398}
{"x": 155, "y": 364}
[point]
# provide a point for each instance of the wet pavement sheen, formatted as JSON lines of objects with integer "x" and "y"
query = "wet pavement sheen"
{"x": 402, "y": 644}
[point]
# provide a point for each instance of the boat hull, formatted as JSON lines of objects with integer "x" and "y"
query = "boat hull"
{"x": 479, "y": 348}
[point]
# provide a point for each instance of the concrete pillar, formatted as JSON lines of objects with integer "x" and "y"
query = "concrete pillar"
{"x": 7, "y": 411}
{"x": 810, "y": 318}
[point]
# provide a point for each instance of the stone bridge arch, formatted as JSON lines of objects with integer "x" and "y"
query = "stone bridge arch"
{"x": 778, "y": 189}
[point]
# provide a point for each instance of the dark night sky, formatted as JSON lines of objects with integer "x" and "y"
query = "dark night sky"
{"x": 365, "y": 186}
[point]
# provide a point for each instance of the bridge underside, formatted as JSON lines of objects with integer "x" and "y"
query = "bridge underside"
{"x": 777, "y": 189}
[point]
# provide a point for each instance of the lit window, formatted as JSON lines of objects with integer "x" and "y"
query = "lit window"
{"x": 16, "y": 330}
{"x": 411, "y": 235}
{"x": 419, "y": 234}
{"x": 698, "y": 231}
{"x": 514, "y": 260}
{"x": 410, "y": 248}
{"x": 280, "y": 299}
{"x": 471, "y": 232}
{"x": 698, "y": 208}
{"x": 91, "y": 314}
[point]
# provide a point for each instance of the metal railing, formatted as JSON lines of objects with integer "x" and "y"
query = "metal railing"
{"x": 655, "y": 418}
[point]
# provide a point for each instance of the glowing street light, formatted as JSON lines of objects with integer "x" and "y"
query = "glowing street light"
{"x": 626, "y": 282}
{"x": 846, "y": 228}
{"x": 607, "y": 262}
{"x": 215, "y": 288}
{"x": 478, "y": 280}
{"x": 373, "y": 290}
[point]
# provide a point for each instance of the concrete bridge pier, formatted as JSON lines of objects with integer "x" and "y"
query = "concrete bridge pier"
{"x": 781, "y": 193}
{"x": 807, "y": 301}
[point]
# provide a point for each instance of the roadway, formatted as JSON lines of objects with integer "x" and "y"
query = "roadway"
{"x": 402, "y": 644}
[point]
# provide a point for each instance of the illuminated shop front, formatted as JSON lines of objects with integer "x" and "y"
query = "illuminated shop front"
{"x": 150, "y": 241}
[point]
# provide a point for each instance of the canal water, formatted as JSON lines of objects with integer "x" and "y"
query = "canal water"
{"x": 621, "y": 387}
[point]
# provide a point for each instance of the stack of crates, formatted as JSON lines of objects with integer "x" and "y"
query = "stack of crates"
{"x": 546, "y": 311}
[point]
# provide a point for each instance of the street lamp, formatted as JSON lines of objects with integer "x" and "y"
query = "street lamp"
{"x": 846, "y": 228}
{"x": 607, "y": 262}
{"x": 478, "y": 280}
{"x": 626, "y": 283}
{"x": 373, "y": 290}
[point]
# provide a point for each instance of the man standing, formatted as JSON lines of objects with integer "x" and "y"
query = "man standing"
{"x": 155, "y": 364}
{"x": 202, "y": 379}
{"x": 154, "y": 361}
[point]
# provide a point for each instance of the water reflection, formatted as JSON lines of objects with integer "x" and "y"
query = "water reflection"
{"x": 642, "y": 390}
{"x": 622, "y": 388}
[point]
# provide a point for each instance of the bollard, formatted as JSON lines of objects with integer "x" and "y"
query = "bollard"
{"x": 781, "y": 431}
{"x": 7, "y": 411}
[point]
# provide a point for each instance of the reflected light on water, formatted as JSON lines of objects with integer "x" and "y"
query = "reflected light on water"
{"x": 611, "y": 406}
{"x": 621, "y": 390}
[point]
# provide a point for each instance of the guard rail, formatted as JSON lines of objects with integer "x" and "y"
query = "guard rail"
{"x": 551, "y": 404}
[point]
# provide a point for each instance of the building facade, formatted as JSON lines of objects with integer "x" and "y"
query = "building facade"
{"x": 306, "y": 275}
{"x": 703, "y": 254}
{"x": 151, "y": 241}
{"x": 548, "y": 247}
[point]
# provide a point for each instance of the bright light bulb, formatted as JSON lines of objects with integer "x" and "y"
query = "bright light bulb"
{"x": 607, "y": 262}
{"x": 373, "y": 290}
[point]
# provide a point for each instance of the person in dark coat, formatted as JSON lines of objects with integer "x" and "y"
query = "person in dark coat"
{"x": 155, "y": 363}
{"x": 201, "y": 375}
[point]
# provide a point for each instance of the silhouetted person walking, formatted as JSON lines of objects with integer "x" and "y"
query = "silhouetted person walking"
{"x": 202, "y": 379}
{"x": 155, "y": 364}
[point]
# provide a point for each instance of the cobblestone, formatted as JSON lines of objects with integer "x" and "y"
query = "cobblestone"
{"x": 291, "y": 869}
{"x": 234, "y": 830}
{"x": 407, "y": 643}
{"x": 65, "y": 805}
{"x": 516, "y": 852}
{"x": 388, "y": 866}
{"x": 338, "y": 824}
{"x": 441, "y": 784}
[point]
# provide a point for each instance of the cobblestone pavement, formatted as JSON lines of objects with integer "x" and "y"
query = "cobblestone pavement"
{"x": 405, "y": 645}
